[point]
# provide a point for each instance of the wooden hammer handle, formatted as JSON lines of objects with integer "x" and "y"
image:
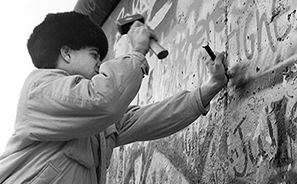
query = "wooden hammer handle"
{"x": 157, "y": 49}
{"x": 124, "y": 25}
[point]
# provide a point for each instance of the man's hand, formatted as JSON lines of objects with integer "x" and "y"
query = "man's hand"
{"x": 217, "y": 70}
{"x": 218, "y": 78}
{"x": 140, "y": 36}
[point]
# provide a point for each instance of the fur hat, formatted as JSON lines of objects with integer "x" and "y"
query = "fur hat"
{"x": 72, "y": 29}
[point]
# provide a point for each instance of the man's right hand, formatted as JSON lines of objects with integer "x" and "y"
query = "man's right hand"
{"x": 140, "y": 36}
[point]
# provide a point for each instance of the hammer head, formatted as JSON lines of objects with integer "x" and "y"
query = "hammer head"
{"x": 124, "y": 24}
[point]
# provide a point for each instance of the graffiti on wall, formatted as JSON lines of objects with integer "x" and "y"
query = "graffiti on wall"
{"x": 253, "y": 36}
{"x": 250, "y": 132}
{"x": 249, "y": 155}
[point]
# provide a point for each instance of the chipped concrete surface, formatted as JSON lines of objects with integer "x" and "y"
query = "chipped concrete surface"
{"x": 249, "y": 135}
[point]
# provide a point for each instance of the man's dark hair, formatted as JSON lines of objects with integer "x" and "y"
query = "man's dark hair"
{"x": 70, "y": 29}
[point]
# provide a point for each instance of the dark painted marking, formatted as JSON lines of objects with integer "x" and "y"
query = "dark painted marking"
{"x": 281, "y": 158}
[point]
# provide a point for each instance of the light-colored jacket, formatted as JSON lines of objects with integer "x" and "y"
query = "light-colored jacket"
{"x": 67, "y": 126}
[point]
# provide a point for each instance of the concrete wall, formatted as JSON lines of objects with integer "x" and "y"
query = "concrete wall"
{"x": 249, "y": 135}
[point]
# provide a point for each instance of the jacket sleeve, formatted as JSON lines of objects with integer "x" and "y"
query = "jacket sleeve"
{"x": 63, "y": 107}
{"x": 160, "y": 119}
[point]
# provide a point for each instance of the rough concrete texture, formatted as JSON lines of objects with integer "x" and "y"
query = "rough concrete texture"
{"x": 249, "y": 134}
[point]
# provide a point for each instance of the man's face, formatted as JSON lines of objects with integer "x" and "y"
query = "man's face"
{"x": 85, "y": 62}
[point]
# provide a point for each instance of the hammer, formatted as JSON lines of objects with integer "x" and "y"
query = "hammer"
{"x": 124, "y": 25}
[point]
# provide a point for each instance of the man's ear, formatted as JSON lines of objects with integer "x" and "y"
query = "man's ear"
{"x": 65, "y": 53}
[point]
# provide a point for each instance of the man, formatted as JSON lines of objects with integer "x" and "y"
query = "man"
{"x": 74, "y": 109}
